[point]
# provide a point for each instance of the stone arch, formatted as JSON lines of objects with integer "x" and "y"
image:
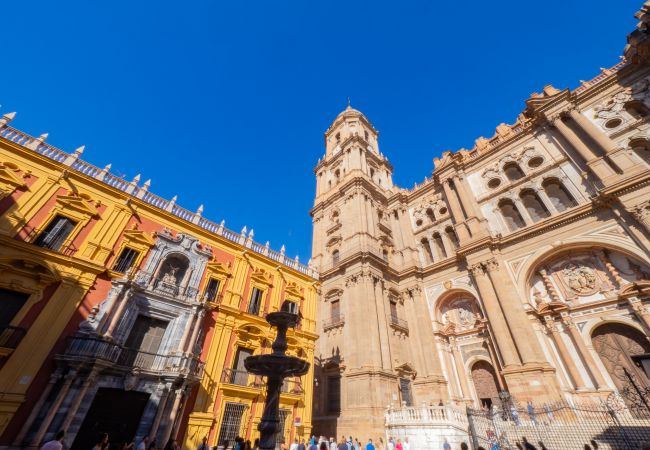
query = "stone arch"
{"x": 173, "y": 268}
{"x": 484, "y": 378}
{"x": 641, "y": 147}
{"x": 524, "y": 273}
{"x": 623, "y": 350}
{"x": 458, "y": 309}
{"x": 513, "y": 171}
{"x": 534, "y": 205}
{"x": 511, "y": 215}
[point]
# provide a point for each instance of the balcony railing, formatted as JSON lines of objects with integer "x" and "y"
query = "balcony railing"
{"x": 292, "y": 387}
{"x": 398, "y": 323}
{"x": 38, "y": 236}
{"x": 10, "y": 336}
{"x": 333, "y": 322}
{"x": 241, "y": 378}
{"x": 95, "y": 348}
{"x": 425, "y": 415}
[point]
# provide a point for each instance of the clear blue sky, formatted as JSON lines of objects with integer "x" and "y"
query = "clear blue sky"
{"x": 225, "y": 102}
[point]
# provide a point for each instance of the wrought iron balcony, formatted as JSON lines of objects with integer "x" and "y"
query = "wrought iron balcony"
{"x": 81, "y": 347}
{"x": 10, "y": 337}
{"x": 334, "y": 322}
{"x": 241, "y": 378}
{"x": 398, "y": 323}
{"x": 292, "y": 387}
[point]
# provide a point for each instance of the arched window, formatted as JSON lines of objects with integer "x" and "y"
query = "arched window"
{"x": 636, "y": 109}
{"x": 428, "y": 255}
{"x": 431, "y": 215}
{"x": 451, "y": 234}
{"x": 335, "y": 257}
{"x": 384, "y": 254}
{"x": 511, "y": 215}
{"x": 642, "y": 148}
{"x": 558, "y": 195}
{"x": 534, "y": 205}
{"x": 440, "y": 247}
{"x": 337, "y": 174}
{"x": 512, "y": 171}
{"x": 172, "y": 271}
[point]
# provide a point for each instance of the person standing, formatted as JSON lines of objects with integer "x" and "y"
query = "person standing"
{"x": 531, "y": 412}
{"x": 380, "y": 444}
{"x": 333, "y": 445}
{"x": 302, "y": 446}
{"x": 406, "y": 444}
{"x": 203, "y": 445}
{"x": 399, "y": 445}
{"x": 342, "y": 444}
{"x": 369, "y": 445}
{"x": 391, "y": 443}
{"x": 514, "y": 414}
{"x": 56, "y": 443}
{"x": 101, "y": 442}
{"x": 446, "y": 445}
{"x": 294, "y": 444}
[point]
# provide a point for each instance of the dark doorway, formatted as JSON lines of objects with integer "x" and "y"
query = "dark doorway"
{"x": 113, "y": 411}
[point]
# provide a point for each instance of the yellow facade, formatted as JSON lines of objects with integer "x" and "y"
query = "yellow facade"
{"x": 66, "y": 285}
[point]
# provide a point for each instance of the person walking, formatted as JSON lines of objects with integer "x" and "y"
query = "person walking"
{"x": 391, "y": 443}
{"x": 56, "y": 443}
{"x": 369, "y": 445}
{"x": 515, "y": 415}
{"x": 446, "y": 445}
{"x": 203, "y": 445}
{"x": 380, "y": 444}
{"x": 406, "y": 444}
{"x": 302, "y": 446}
{"x": 399, "y": 445}
{"x": 531, "y": 412}
{"x": 294, "y": 444}
{"x": 333, "y": 445}
{"x": 342, "y": 444}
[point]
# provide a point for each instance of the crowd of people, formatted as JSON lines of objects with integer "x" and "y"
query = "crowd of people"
{"x": 102, "y": 442}
{"x": 355, "y": 444}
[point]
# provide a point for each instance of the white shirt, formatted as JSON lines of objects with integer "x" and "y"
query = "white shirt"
{"x": 391, "y": 446}
{"x": 294, "y": 446}
{"x": 406, "y": 446}
{"x": 52, "y": 445}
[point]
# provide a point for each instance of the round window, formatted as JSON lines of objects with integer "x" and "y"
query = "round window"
{"x": 613, "y": 123}
{"x": 442, "y": 210}
{"x": 494, "y": 183}
{"x": 535, "y": 161}
{"x": 418, "y": 222}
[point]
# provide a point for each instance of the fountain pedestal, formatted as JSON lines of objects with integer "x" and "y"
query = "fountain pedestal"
{"x": 276, "y": 366}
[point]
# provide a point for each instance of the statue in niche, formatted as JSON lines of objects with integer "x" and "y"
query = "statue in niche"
{"x": 580, "y": 279}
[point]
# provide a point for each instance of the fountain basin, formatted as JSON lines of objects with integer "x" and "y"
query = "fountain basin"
{"x": 276, "y": 365}
{"x": 283, "y": 319}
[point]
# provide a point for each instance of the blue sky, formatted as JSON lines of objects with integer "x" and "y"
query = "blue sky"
{"x": 225, "y": 103}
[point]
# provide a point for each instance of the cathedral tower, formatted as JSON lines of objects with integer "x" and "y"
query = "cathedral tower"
{"x": 367, "y": 355}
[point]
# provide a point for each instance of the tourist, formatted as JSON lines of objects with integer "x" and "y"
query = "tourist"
{"x": 144, "y": 444}
{"x": 391, "y": 443}
{"x": 283, "y": 445}
{"x": 256, "y": 444}
{"x": 312, "y": 440}
{"x": 313, "y": 446}
{"x": 399, "y": 445}
{"x": 247, "y": 445}
{"x": 528, "y": 445}
{"x": 56, "y": 443}
{"x": 549, "y": 412}
{"x": 323, "y": 446}
{"x": 380, "y": 444}
{"x": 406, "y": 444}
{"x": 531, "y": 412}
{"x": 294, "y": 444}
{"x": 446, "y": 445}
{"x": 302, "y": 445}
{"x": 350, "y": 443}
{"x": 515, "y": 415}
{"x": 357, "y": 444}
{"x": 342, "y": 444}
{"x": 333, "y": 445}
{"x": 203, "y": 446}
{"x": 101, "y": 442}
{"x": 369, "y": 445}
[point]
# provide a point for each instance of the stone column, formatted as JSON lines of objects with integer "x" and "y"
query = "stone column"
{"x": 500, "y": 329}
{"x": 45, "y": 424}
{"x": 565, "y": 357}
{"x": 117, "y": 315}
{"x": 162, "y": 403}
{"x": 460, "y": 368}
{"x": 495, "y": 361}
{"x": 522, "y": 331}
{"x": 584, "y": 352}
{"x": 469, "y": 205}
{"x": 611, "y": 269}
{"x": 169, "y": 426}
{"x": 592, "y": 131}
{"x": 547, "y": 201}
{"x": 425, "y": 332}
{"x": 450, "y": 372}
{"x": 523, "y": 211}
{"x": 456, "y": 212}
{"x": 187, "y": 330}
{"x": 20, "y": 437}
{"x": 74, "y": 406}
{"x": 596, "y": 164}
{"x": 195, "y": 332}
{"x": 548, "y": 284}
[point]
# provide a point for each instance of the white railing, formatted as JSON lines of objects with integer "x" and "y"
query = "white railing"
{"x": 132, "y": 188}
{"x": 426, "y": 415}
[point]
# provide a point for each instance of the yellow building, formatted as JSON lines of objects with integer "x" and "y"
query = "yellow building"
{"x": 123, "y": 312}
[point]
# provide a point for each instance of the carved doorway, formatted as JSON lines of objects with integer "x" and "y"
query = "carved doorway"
{"x": 625, "y": 353}
{"x": 485, "y": 383}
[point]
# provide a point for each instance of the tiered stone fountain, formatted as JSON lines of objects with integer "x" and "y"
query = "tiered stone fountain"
{"x": 276, "y": 367}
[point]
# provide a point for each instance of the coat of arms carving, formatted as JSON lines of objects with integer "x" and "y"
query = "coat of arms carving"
{"x": 580, "y": 279}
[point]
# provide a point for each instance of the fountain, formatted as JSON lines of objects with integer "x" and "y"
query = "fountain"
{"x": 276, "y": 367}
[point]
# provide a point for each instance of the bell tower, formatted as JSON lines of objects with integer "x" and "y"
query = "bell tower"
{"x": 368, "y": 323}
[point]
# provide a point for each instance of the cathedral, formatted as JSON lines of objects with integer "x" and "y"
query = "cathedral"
{"x": 521, "y": 264}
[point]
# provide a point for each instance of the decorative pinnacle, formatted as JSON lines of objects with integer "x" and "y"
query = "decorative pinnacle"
{"x": 80, "y": 150}
{"x": 251, "y": 234}
{"x": 282, "y": 249}
{"x": 43, "y": 136}
{"x": 267, "y": 245}
{"x": 108, "y": 167}
{"x": 136, "y": 179}
{"x": 244, "y": 230}
{"x": 200, "y": 209}
{"x": 223, "y": 222}
{"x": 173, "y": 200}
{"x": 10, "y": 116}
{"x": 147, "y": 183}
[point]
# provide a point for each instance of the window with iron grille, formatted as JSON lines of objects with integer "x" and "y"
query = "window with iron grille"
{"x": 126, "y": 259}
{"x": 212, "y": 289}
{"x": 231, "y": 423}
{"x": 55, "y": 234}
{"x": 256, "y": 301}
{"x": 405, "y": 391}
{"x": 284, "y": 413}
{"x": 334, "y": 394}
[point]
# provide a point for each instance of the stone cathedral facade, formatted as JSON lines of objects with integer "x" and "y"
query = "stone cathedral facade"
{"x": 521, "y": 265}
